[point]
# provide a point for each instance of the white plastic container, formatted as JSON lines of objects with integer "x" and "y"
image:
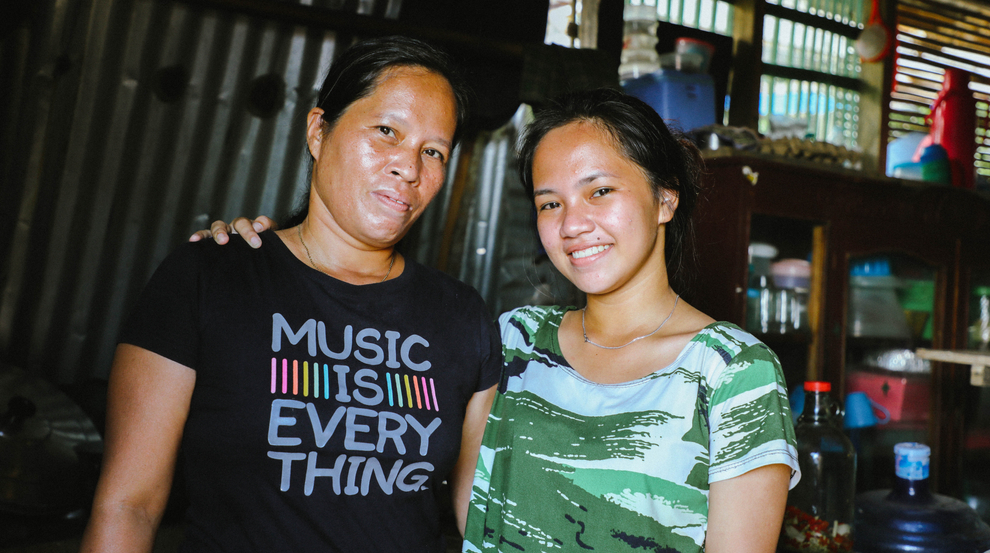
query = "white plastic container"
{"x": 873, "y": 308}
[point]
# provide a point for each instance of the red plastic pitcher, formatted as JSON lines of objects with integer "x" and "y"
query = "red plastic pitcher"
{"x": 953, "y": 126}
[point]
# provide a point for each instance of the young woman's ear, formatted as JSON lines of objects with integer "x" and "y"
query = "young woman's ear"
{"x": 668, "y": 205}
{"x": 314, "y": 131}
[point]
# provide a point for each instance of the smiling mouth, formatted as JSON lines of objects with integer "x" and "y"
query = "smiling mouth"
{"x": 589, "y": 251}
{"x": 394, "y": 203}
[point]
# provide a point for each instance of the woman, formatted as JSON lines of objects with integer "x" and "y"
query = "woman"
{"x": 638, "y": 422}
{"x": 315, "y": 389}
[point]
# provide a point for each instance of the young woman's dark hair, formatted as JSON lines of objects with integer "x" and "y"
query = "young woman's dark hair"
{"x": 357, "y": 71}
{"x": 669, "y": 161}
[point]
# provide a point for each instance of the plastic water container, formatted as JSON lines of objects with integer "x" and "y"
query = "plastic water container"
{"x": 873, "y": 307}
{"x": 911, "y": 519}
{"x": 684, "y": 100}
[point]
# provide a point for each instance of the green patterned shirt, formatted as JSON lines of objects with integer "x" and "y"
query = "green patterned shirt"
{"x": 568, "y": 464}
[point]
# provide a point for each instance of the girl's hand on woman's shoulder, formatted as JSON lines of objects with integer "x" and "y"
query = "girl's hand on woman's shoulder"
{"x": 247, "y": 228}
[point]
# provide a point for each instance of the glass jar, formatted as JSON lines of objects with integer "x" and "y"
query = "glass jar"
{"x": 760, "y": 292}
{"x": 819, "y": 513}
{"x": 791, "y": 279}
{"x": 979, "y": 316}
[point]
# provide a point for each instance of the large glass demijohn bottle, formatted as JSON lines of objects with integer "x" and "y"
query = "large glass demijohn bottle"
{"x": 911, "y": 519}
{"x": 819, "y": 511}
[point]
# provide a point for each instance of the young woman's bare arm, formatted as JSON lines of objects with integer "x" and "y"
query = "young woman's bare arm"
{"x": 462, "y": 477}
{"x": 745, "y": 513}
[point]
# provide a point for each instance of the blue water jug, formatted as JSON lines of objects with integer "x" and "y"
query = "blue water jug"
{"x": 684, "y": 100}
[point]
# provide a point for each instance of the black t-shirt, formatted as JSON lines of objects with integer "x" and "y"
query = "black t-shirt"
{"x": 324, "y": 414}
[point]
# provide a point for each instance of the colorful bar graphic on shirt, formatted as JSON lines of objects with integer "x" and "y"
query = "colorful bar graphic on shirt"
{"x": 401, "y": 390}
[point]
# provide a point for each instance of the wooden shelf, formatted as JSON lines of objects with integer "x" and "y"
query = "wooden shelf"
{"x": 978, "y": 362}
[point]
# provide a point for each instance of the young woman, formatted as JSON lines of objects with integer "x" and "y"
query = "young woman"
{"x": 316, "y": 391}
{"x": 638, "y": 422}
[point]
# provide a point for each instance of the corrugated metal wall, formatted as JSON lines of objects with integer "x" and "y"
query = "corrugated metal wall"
{"x": 126, "y": 125}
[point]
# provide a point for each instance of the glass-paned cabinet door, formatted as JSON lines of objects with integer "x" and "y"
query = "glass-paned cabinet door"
{"x": 889, "y": 313}
{"x": 976, "y": 441}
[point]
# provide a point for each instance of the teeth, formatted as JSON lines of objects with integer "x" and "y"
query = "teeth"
{"x": 393, "y": 200}
{"x": 590, "y": 251}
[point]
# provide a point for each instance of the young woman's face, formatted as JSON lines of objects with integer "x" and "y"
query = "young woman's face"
{"x": 596, "y": 212}
{"x": 384, "y": 160}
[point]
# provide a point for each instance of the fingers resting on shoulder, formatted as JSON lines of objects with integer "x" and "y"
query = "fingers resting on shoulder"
{"x": 247, "y": 228}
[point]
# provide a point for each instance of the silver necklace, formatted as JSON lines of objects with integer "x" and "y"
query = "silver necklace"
{"x": 317, "y": 267}
{"x": 588, "y": 340}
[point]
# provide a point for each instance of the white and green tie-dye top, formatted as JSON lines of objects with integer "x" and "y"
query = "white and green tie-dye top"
{"x": 568, "y": 464}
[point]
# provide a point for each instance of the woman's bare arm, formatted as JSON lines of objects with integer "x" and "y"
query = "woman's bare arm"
{"x": 147, "y": 406}
{"x": 745, "y": 513}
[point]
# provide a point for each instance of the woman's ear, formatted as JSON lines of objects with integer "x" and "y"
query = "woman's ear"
{"x": 668, "y": 205}
{"x": 314, "y": 132}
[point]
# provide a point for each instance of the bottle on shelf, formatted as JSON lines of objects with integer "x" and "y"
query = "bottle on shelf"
{"x": 819, "y": 512}
{"x": 979, "y": 328}
{"x": 760, "y": 291}
{"x": 910, "y": 517}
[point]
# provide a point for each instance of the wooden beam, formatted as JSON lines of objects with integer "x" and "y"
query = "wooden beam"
{"x": 367, "y": 26}
{"x": 744, "y": 87}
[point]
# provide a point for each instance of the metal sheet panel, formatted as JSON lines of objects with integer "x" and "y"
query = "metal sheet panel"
{"x": 128, "y": 124}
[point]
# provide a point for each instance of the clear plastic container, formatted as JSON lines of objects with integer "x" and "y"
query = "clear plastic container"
{"x": 688, "y": 62}
{"x": 819, "y": 513}
{"x": 791, "y": 279}
{"x": 874, "y": 310}
{"x": 704, "y": 50}
{"x": 639, "y": 42}
{"x": 791, "y": 273}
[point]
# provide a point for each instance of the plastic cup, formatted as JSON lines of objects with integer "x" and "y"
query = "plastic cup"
{"x": 861, "y": 411}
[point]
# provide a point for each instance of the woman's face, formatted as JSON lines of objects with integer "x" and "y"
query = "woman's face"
{"x": 381, "y": 164}
{"x": 596, "y": 212}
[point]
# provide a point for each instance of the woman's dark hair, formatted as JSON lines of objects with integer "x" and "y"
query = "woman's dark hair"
{"x": 356, "y": 73}
{"x": 669, "y": 161}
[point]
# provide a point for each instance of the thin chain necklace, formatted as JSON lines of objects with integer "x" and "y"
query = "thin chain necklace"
{"x": 588, "y": 340}
{"x": 317, "y": 267}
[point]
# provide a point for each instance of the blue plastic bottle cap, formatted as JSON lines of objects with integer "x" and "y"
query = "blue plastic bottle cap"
{"x": 912, "y": 460}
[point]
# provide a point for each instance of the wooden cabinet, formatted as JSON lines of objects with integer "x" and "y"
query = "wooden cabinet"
{"x": 836, "y": 218}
